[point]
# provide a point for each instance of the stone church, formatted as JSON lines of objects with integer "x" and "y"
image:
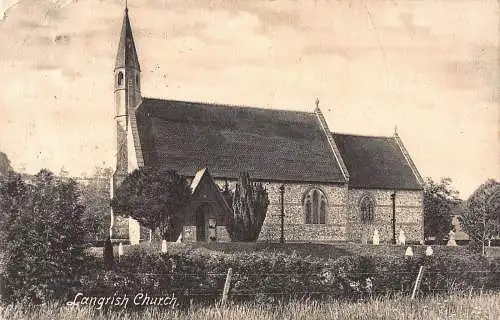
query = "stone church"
{"x": 336, "y": 187}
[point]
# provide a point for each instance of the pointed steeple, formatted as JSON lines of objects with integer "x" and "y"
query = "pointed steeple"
{"x": 127, "y": 54}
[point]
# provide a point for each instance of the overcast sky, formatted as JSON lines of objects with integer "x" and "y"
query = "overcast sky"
{"x": 431, "y": 68}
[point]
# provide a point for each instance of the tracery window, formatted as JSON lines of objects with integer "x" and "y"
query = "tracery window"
{"x": 367, "y": 209}
{"x": 315, "y": 206}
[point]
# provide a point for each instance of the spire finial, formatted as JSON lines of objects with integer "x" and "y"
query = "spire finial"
{"x": 395, "y": 130}
{"x": 317, "y": 102}
{"x": 126, "y": 5}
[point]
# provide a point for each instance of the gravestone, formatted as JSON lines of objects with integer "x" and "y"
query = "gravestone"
{"x": 451, "y": 240}
{"x": 164, "y": 246}
{"x": 179, "y": 240}
{"x": 376, "y": 238}
{"x": 120, "y": 249}
{"x": 429, "y": 251}
{"x": 409, "y": 252}
{"x": 402, "y": 238}
{"x": 364, "y": 238}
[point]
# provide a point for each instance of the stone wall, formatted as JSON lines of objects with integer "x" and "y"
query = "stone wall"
{"x": 409, "y": 215}
{"x": 343, "y": 217}
{"x": 295, "y": 228}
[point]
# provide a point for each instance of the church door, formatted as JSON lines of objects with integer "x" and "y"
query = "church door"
{"x": 203, "y": 217}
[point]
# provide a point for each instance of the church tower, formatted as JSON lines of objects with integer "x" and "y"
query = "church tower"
{"x": 127, "y": 90}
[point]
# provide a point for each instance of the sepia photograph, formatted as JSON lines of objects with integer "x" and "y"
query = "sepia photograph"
{"x": 249, "y": 159}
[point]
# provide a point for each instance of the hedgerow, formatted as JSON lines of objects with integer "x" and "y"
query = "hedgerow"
{"x": 199, "y": 275}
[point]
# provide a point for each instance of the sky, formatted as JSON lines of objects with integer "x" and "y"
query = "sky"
{"x": 431, "y": 68}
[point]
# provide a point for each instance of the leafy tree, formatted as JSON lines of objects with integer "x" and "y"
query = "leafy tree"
{"x": 250, "y": 202}
{"x": 481, "y": 220}
{"x": 154, "y": 197}
{"x": 96, "y": 198}
{"x": 439, "y": 201}
{"x": 42, "y": 237}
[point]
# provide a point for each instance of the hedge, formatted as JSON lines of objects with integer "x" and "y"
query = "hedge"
{"x": 198, "y": 275}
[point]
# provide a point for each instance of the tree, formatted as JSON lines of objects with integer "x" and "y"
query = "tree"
{"x": 481, "y": 220}
{"x": 42, "y": 237}
{"x": 96, "y": 198}
{"x": 154, "y": 197}
{"x": 439, "y": 201}
{"x": 4, "y": 164}
{"x": 250, "y": 202}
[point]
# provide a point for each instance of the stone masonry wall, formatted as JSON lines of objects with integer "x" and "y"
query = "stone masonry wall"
{"x": 409, "y": 215}
{"x": 295, "y": 228}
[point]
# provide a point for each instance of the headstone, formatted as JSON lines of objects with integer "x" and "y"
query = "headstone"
{"x": 409, "y": 252}
{"x": 402, "y": 237}
{"x": 179, "y": 240}
{"x": 429, "y": 251}
{"x": 376, "y": 238}
{"x": 120, "y": 250}
{"x": 364, "y": 238}
{"x": 451, "y": 240}
{"x": 164, "y": 246}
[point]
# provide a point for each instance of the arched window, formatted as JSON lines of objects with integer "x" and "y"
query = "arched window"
{"x": 120, "y": 78}
{"x": 315, "y": 206}
{"x": 367, "y": 209}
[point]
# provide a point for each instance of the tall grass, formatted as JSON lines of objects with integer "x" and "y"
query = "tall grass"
{"x": 484, "y": 306}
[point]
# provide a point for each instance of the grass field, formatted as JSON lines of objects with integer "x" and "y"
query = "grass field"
{"x": 486, "y": 306}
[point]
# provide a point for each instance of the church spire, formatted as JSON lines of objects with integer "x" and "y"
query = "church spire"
{"x": 126, "y": 56}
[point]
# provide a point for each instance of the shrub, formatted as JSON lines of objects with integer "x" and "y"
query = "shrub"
{"x": 42, "y": 237}
{"x": 250, "y": 202}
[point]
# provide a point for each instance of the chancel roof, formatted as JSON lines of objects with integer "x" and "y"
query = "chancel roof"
{"x": 376, "y": 162}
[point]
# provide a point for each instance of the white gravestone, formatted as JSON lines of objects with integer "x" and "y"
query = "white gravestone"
{"x": 164, "y": 246}
{"x": 179, "y": 240}
{"x": 429, "y": 251}
{"x": 402, "y": 238}
{"x": 364, "y": 238}
{"x": 409, "y": 252}
{"x": 451, "y": 240}
{"x": 376, "y": 238}
{"x": 120, "y": 250}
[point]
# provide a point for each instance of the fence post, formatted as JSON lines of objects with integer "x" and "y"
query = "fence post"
{"x": 225, "y": 292}
{"x": 417, "y": 282}
{"x": 2, "y": 288}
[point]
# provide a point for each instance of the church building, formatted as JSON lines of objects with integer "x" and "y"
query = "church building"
{"x": 335, "y": 187}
